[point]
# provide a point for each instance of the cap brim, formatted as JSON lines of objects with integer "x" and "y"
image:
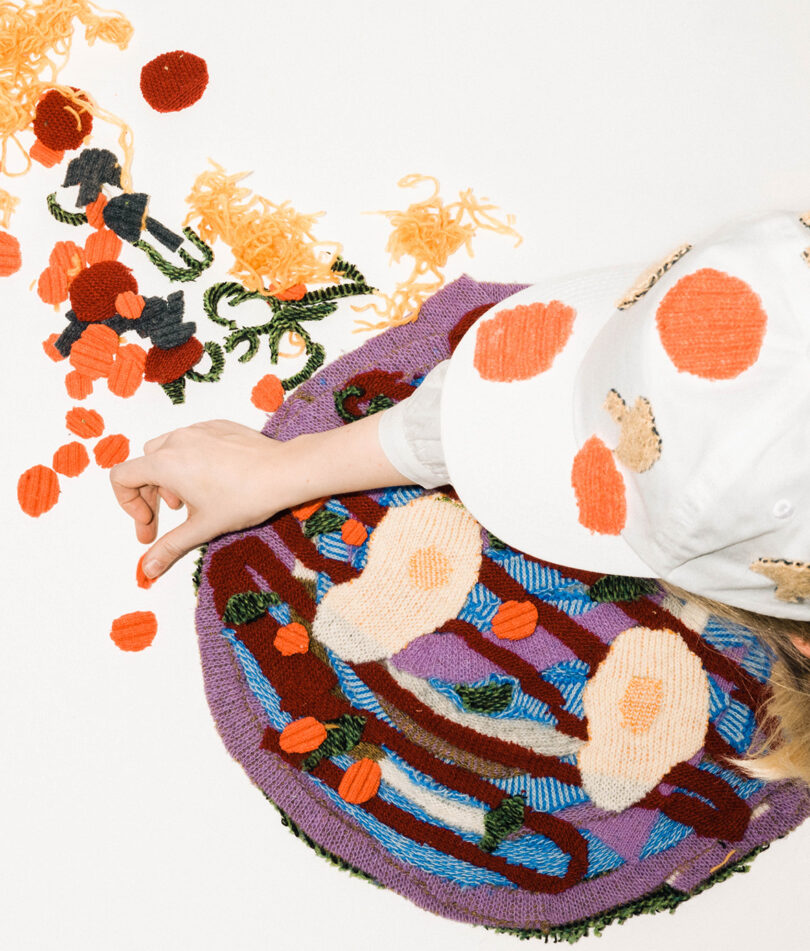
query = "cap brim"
{"x": 510, "y": 446}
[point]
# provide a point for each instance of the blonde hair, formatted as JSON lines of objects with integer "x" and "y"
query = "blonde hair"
{"x": 783, "y": 752}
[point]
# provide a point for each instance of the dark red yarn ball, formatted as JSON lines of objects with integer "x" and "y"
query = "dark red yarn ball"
{"x": 55, "y": 123}
{"x": 163, "y": 366}
{"x": 174, "y": 81}
{"x": 93, "y": 291}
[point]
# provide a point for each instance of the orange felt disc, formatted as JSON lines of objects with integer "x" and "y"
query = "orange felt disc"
{"x": 134, "y": 631}
{"x": 93, "y": 353}
{"x": 10, "y": 257}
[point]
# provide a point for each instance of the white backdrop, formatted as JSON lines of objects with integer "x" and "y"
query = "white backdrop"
{"x": 614, "y": 132}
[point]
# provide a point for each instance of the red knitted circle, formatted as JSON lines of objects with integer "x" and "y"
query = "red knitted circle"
{"x": 163, "y": 366}
{"x": 56, "y": 124}
{"x": 94, "y": 290}
{"x": 174, "y": 81}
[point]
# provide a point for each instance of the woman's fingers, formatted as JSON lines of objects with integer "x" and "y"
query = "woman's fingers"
{"x": 174, "y": 544}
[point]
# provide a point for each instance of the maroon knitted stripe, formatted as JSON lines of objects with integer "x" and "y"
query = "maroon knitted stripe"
{"x": 582, "y": 642}
{"x": 364, "y": 509}
{"x": 289, "y": 531}
{"x": 487, "y": 747}
{"x": 727, "y": 819}
{"x": 444, "y": 840}
{"x": 530, "y": 681}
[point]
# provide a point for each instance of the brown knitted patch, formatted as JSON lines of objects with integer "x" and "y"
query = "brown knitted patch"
{"x": 651, "y": 277}
{"x": 639, "y": 445}
{"x": 792, "y": 578}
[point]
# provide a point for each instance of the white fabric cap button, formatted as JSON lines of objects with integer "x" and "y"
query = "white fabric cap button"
{"x": 783, "y": 509}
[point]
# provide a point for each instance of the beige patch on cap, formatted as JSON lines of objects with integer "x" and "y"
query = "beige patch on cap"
{"x": 639, "y": 445}
{"x": 651, "y": 277}
{"x": 792, "y": 578}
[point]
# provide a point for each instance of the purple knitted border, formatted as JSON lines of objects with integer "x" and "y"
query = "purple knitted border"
{"x": 241, "y": 722}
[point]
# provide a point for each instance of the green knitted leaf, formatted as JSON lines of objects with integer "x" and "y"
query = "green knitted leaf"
{"x": 248, "y": 606}
{"x": 321, "y": 522}
{"x": 196, "y": 578}
{"x": 342, "y": 735}
{"x": 489, "y": 698}
{"x": 502, "y": 821}
{"x": 620, "y": 588}
{"x": 495, "y": 542}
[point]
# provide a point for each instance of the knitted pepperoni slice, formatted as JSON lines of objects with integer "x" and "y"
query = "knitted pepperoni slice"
{"x": 292, "y": 639}
{"x": 69, "y": 256}
{"x": 93, "y": 353}
{"x": 519, "y": 343}
{"x": 163, "y": 366}
{"x": 360, "y": 781}
{"x": 94, "y": 291}
{"x": 50, "y": 349}
{"x": 174, "y": 81}
{"x": 61, "y": 123}
{"x": 102, "y": 245}
{"x": 140, "y": 575}
{"x": 712, "y": 324}
{"x": 302, "y": 736}
{"x": 111, "y": 450}
{"x": 126, "y": 374}
{"x": 85, "y": 423}
{"x": 10, "y": 257}
{"x": 599, "y": 489}
{"x": 52, "y": 285}
{"x": 515, "y": 620}
{"x": 78, "y": 386}
{"x": 135, "y": 631}
{"x": 37, "y": 490}
{"x": 71, "y": 459}
{"x": 353, "y": 532}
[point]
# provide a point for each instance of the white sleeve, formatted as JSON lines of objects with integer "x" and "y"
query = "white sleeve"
{"x": 410, "y": 434}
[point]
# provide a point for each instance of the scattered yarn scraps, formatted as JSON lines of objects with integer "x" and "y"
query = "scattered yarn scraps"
{"x": 134, "y": 631}
{"x": 37, "y": 40}
{"x": 174, "y": 81}
{"x": 85, "y": 423}
{"x": 37, "y": 490}
{"x": 7, "y": 205}
{"x": 273, "y": 245}
{"x": 430, "y": 232}
{"x": 10, "y": 255}
{"x": 71, "y": 459}
{"x": 268, "y": 393}
{"x": 111, "y": 450}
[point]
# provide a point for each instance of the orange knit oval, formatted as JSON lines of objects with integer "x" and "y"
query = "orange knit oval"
{"x": 37, "y": 490}
{"x": 71, "y": 459}
{"x": 712, "y": 324}
{"x": 302, "y": 736}
{"x": 268, "y": 393}
{"x": 52, "y": 285}
{"x": 78, "y": 386}
{"x": 10, "y": 257}
{"x": 353, "y": 532}
{"x": 103, "y": 245}
{"x": 519, "y": 343}
{"x": 95, "y": 211}
{"x": 40, "y": 152}
{"x": 291, "y": 639}
{"x": 86, "y": 423}
{"x": 69, "y": 256}
{"x": 111, "y": 450}
{"x": 360, "y": 781}
{"x": 126, "y": 373}
{"x": 93, "y": 353}
{"x": 515, "y": 620}
{"x": 130, "y": 305}
{"x": 50, "y": 349}
{"x": 599, "y": 489}
{"x": 134, "y": 631}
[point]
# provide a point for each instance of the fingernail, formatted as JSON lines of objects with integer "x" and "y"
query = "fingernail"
{"x": 152, "y": 569}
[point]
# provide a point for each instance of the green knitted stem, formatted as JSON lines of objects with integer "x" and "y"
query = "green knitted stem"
{"x": 502, "y": 821}
{"x": 176, "y": 390}
{"x": 248, "y": 606}
{"x": 65, "y": 217}
{"x": 214, "y": 351}
{"x": 321, "y": 522}
{"x": 193, "y": 267}
{"x": 621, "y": 588}
{"x": 317, "y": 355}
{"x": 234, "y": 293}
{"x": 342, "y": 735}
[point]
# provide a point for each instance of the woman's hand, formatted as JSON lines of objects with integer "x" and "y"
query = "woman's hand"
{"x": 231, "y": 477}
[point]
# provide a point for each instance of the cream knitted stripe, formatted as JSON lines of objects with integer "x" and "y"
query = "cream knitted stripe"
{"x": 425, "y": 557}
{"x": 535, "y": 736}
{"x": 648, "y": 709}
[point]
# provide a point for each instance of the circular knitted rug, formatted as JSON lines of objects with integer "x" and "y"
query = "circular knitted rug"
{"x": 503, "y": 741}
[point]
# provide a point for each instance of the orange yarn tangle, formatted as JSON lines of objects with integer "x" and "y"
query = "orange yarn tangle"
{"x": 35, "y": 43}
{"x": 429, "y": 232}
{"x": 273, "y": 246}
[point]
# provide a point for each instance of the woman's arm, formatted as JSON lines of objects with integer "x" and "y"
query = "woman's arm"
{"x": 231, "y": 477}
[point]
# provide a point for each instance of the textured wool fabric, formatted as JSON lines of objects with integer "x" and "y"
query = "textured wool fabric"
{"x": 483, "y": 732}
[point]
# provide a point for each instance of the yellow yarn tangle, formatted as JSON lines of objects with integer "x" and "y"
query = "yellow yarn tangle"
{"x": 430, "y": 231}
{"x": 35, "y": 43}
{"x": 273, "y": 245}
{"x": 7, "y": 205}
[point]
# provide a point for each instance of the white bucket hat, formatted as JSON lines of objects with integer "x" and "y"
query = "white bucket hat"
{"x": 657, "y": 431}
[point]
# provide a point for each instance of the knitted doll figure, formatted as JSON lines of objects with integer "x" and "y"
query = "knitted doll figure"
{"x": 653, "y": 427}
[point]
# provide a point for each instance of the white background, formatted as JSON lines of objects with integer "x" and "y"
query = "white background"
{"x": 614, "y": 132}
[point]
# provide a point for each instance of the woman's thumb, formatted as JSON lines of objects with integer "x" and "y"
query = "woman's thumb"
{"x": 171, "y": 547}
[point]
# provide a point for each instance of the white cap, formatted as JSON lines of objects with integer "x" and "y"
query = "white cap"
{"x": 657, "y": 427}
